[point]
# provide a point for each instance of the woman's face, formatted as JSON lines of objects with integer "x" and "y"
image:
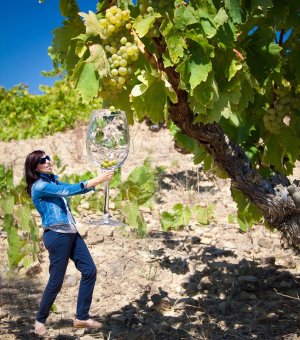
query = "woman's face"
{"x": 44, "y": 165}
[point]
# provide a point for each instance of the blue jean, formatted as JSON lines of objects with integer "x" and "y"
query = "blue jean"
{"x": 62, "y": 247}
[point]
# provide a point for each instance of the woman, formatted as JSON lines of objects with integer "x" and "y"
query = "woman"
{"x": 61, "y": 238}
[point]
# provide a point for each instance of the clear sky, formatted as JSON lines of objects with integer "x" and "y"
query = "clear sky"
{"x": 25, "y": 36}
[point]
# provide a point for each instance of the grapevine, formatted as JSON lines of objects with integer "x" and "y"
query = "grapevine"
{"x": 146, "y": 10}
{"x": 284, "y": 105}
{"x": 120, "y": 48}
{"x": 273, "y": 120}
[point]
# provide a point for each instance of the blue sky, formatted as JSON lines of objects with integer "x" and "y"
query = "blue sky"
{"x": 25, "y": 37}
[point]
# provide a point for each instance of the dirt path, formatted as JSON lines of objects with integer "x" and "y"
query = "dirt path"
{"x": 210, "y": 282}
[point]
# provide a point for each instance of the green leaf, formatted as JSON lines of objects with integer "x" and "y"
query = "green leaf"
{"x": 166, "y": 221}
{"x": 175, "y": 42}
{"x": 184, "y": 16}
{"x": 180, "y": 216}
{"x": 234, "y": 119}
{"x": 273, "y": 49}
{"x": 7, "y": 205}
{"x": 143, "y": 25}
{"x": 235, "y": 66}
{"x": 91, "y": 23}
{"x": 221, "y": 107}
{"x": 23, "y": 214}
{"x": 145, "y": 100}
{"x": 221, "y": 17}
{"x": 248, "y": 214}
{"x": 68, "y": 8}
{"x": 63, "y": 45}
{"x": 273, "y": 153}
{"x": 199, "y": 66}
{"x": 98, "y": 58}
{"x": 27, "y": 261}
{"x": 234, "y": 9}
{"x": 131, "y": 210}
{"x": 169, "y": 90}
{"x": 208, "y": 28}
{"x": 204, "y": 215}
{"x": 185, "y": 141}
{"x": 87, "y": 81}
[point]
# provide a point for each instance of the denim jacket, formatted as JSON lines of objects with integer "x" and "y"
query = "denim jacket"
{"x": 47, "y": 193}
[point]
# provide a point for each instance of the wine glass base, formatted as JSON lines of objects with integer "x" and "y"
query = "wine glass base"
{"x": 107, "y": 221}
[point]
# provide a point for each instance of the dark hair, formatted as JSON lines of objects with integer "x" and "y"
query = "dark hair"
{"x": 31, "y": 162}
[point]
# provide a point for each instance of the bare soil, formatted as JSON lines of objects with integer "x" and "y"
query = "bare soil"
{"x": 211, "y": 282}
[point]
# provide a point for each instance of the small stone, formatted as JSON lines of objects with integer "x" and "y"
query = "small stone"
{"x": 206, "y": 240}
{"x": 285, "y": 284}
{"x": 270, "y": 261}
{"x": 195, "y": 240}
{"x": 264, "y": 242}
{"x": 96, "y": 240}
{"x": 223, "y": 307}
{"x": 222, "y": 296}
{"x": 70, "y": 281}
{"x": 205, "y": 283}
{"x": 34, "y": 269}
{"x": 249, "y": 283}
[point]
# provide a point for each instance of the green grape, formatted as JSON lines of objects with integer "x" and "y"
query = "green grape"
{"x": 121, "y": 80}
{"x": 123, "y": 40}
{"x": 123, "y": 62}
{"x": 113, "y": 50}
{"x": 119, "y": 16}
{"x": 122, "y": 71}
{"x": 130, "y": 50}
{"x": 114, "y": 72}
{"x": 112, "y": 82}
{"x": 111, "y": 28}
{"x": 113, "y": 19}
{"x": 118, "y": 40}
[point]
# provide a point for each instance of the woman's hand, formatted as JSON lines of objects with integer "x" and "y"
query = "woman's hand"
{"x": 105, "y": 176}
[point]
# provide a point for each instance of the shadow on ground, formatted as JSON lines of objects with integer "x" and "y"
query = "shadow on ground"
{"x": 228, "y": 299}
{"x": 244, "y": 300}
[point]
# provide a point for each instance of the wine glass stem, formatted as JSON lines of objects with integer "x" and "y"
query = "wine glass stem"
{"x": 106, "y": 199}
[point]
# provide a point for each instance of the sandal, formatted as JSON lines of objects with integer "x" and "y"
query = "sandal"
{"x": 40, "y": 329}
{"x": 89, "y": 323}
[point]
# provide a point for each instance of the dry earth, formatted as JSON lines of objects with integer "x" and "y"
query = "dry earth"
{"x": 211, "y": 282}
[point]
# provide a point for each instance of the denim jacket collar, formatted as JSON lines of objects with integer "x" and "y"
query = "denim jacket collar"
{"x": 48, "y": 177}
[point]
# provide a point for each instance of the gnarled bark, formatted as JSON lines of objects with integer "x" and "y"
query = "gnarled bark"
{"x": 277, "y": 198}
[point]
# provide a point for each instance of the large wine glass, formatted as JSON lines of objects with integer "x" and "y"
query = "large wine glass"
{"x": 107, "y": 146}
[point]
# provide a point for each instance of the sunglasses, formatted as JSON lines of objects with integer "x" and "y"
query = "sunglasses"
{"x": 43, "y": 160}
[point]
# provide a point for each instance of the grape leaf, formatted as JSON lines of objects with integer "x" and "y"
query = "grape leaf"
{"x": 143, "y": 25}
{"x": 91, "y": 23}
{"x": 235, "y": 66}
{"x": 248, "y": 214}
{"x": 199, "y": 66}
{"x": 221, "y": 17}
{"x": 23, "y": 215}
{"x": 87, "y": 81}
{"x": 98, "y": 58}
{"x": 68, "y": 8}
{"x": 184, "y": 16}
{"x": 175, "y": 42}
{"x": 234, "y": 9}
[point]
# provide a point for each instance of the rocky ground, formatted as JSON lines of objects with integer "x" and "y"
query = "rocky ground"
{"x": 211, "y": 282}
